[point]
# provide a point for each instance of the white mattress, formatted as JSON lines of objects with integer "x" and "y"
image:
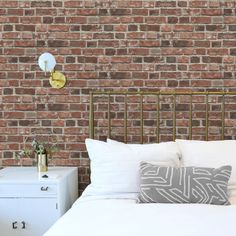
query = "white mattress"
{"x": 122, "y": 216}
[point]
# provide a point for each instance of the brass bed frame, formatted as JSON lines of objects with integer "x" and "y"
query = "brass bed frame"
{"x": 207, "y": 99}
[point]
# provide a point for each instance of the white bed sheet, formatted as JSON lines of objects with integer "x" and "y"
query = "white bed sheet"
{"x": 120, "y": 215}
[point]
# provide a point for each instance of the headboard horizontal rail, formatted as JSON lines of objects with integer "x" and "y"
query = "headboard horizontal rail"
{"x": 162, "y": 93}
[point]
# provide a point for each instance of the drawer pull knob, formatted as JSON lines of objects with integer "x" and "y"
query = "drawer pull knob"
{"x": 23, "y": 224}
{"x": 14, "y": 225}
{"x": 44, "y": 188}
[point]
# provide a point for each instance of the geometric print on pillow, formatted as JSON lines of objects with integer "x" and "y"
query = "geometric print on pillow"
{"x": 162, "y": 184}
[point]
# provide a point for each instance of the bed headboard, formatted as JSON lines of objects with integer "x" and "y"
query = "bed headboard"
{"x": 162, "y": 116}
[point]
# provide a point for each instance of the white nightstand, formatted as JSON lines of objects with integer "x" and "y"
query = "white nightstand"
{"x": 30, "y": 204}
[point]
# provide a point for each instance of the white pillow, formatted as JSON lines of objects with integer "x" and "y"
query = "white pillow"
{"x": 209, "y": 154}
{"x": 232, "y": 195}
{"x": 150, "y": 147}
{"x": 115, "y": 167}
{"x": 232, "y": 200}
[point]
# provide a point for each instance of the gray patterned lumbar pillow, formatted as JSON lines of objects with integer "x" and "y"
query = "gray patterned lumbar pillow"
{"x": 161, "y": 184}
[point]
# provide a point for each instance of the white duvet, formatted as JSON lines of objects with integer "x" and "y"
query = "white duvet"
{"x": 122, "y": 216}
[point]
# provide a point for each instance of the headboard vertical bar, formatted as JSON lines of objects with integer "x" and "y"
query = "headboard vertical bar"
{"x": 158, "y": 117}
{"x": 141, "y": 119}
{"x": 109, "y": 115}
{"x": 126, "y": 117}
{"x": 191, "y": 118}
{"x": 174, "y": 116}
{"x": 223, "y": 117}
{"x": 207, "y": 116}
{"x": 91, "y": 117}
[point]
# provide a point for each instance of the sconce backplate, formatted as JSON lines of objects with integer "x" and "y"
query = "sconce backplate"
{"x": 57, "y": 79}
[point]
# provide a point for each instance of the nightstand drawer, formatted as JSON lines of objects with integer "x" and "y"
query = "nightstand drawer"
{"x": 28, "y": 190}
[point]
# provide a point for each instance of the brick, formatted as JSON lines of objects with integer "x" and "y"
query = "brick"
{"x": 182, "y": 43}
{"x": 210, "y": 75}
{"x": 165, "y": 4}
{"x": 138, "y": 51}
{"x": 149, "y": 43}
{"x": 120, "y": 60}
{"x": 76, "y": 20}
{"x": 48, "y": 20}
{"x": 184, "y": 20}
{"x": 131, "y": 4}
{"x": 165, "y": 67}
{"x": 227, "y": 36}
{"x": 230, "y": 19}
{"x": 141, "y": 12}
{"x": 29, "y": 12}
{"x": 172, "y": 20}
{"x": 26, "y": 59}
{"x": 59, "y": 19}
{"x": 156, "y": 20}
{"x": 57, "y": 4}
{"x": 25, "y": 28}
{"x": 233, "y": 52}
{"x": 136, "y": 35}
{"x": 201, "y": 20}
{"x": 211, "y": 27}
{"x": 9, "y": 4}
{"x": 120, "y": 75}
{"x": 212, "y": 12}
{"x": 201, "y": 83}
{"x": 103, "y": 12}
{"x": 198, "y": 67}
{"x": 73, "y": 4}
{"x": 15, "y": 12}
{"x": 86, "y": 12}
{"x": 8, "y": 28}
{"x": 24, "y": 43}
{"x": 183, "y": 28}
{"x": 93, "y": 51}
{"x": 198, "y": 4}
{"x": 58, "y": 28}
{"x": 14, "y": 115}
{"x": 7, "y": 91}
{"x": 228, "y": 12}
{"x": 41, "y": 4}
{"x": 212, "y": 59}
{"x": 150, "y": 28}
{"x": 172, "y": 83}
{"x": 108, "y": 27}
{"x": 154, "y": 12}
{"x": 182, "y": 4}
{"x": 109, "y": 20}
{"x": 218, "y": 51}
{"x": 103, "y": 36}
{"x": 46, "y": 11}
{"x": 216, "y": 44}
{"x": 57, "y": 43}
{"x": 90, "y": 28}
{"x": 120, "y": 12}
{"x": 232, "y": 27}
{"x": 189, "y": 35}
{"x": 28, "y": 91}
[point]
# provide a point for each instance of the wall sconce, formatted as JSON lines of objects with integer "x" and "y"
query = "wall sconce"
{"x": 47, "y": 62}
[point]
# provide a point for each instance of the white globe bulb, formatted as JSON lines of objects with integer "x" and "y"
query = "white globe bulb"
{"x": 47, "y": 62}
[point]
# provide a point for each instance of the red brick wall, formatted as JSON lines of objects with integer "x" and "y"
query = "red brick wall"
{"x": 103, "y": 45}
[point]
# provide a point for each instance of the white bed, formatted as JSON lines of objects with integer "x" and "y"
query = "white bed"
{"x": 109, "y": 207}
{"x": 120, "y": 215}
